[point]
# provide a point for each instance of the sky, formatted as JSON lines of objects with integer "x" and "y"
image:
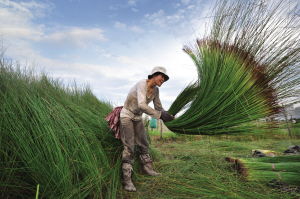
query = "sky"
{"x": 106, "y": 44}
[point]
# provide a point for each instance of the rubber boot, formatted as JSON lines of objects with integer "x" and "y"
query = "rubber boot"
{"x": 127, "y": 172}
{"x": 147, "y": 165}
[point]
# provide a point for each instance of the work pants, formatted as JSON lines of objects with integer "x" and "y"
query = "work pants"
{"x": 133, "y": 133}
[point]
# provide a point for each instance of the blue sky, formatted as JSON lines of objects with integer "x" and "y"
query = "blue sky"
{"x": 107, "y": 44}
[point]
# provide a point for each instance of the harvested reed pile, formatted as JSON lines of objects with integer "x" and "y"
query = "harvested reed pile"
{"x": 266, "y": 169}
{"x": 55, "y": 137}
{"x": 247, "y": 65}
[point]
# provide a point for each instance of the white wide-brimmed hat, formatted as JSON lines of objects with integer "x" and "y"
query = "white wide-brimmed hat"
{"x": 159, "y": 70}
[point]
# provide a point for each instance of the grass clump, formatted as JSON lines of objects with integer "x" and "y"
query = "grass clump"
{"x": 54, "y": 137}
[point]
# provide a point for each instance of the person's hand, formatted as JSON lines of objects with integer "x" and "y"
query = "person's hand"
{"x": 166, "y": 117}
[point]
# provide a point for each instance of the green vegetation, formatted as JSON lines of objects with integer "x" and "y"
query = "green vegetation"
{"x": 55, "y": 143}
{"x": 246, "y": 66}
{"x": 54, "y": 138}
{"x": 167, "y": 134}
{"x": 195, "y": 167}
{"x": 282, "y": 168}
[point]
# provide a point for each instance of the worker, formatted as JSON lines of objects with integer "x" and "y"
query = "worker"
{"x": 131, "y": 125}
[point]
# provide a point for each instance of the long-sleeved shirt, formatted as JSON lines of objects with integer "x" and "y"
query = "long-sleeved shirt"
{"x": 137, "y": 102}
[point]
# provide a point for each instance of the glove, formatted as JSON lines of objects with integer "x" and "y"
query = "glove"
{"x": 166, "y": 117}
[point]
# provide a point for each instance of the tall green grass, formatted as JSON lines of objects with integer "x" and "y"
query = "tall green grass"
{"x": 55, "y": 137}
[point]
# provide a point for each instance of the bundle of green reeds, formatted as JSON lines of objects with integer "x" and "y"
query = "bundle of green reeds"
{"x": 247, "y": 66}
{"x": 266, "y": 169}
{"x": 54, "y": 137}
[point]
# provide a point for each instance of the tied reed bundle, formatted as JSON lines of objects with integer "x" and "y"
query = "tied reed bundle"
{"x": 266, "y": 169}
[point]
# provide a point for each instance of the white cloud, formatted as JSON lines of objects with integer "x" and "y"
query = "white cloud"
{"x": 185, "y": 2}
{"x": 187, "y": 23}
{"x": 157, "y": 18}
{"x": 123, "y": 26}
{"x": 190, "y": 7}
{"x": 29, "y": 9}
{"x": 160, "y": 18}
{"x": 132, "y": 2}
{"x": 114, "y": 7}
{"x": 15, "y": 19}
{"x": 16, "y": 26}
{"x": 21, "y": 33}
{"x": 126, "y": 60}
{"x": 136, "y": 29}
{"x": 120, "y": 25}
{"x": 134, "y": 9}
{"x": 80, "y": 37}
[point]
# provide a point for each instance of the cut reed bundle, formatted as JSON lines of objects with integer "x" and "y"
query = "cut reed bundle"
{"x": 247, "y": 67}
{"x": 266, "y": 169}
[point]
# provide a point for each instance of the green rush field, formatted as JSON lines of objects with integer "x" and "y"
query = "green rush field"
{"x": 194, "y": 166}
{"x": 55, "y": 143}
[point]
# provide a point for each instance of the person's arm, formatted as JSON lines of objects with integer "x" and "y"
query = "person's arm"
{"x": 141, "y": 100}
{"x": 156, "y": 101}
{"x": 165, "y": 116}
